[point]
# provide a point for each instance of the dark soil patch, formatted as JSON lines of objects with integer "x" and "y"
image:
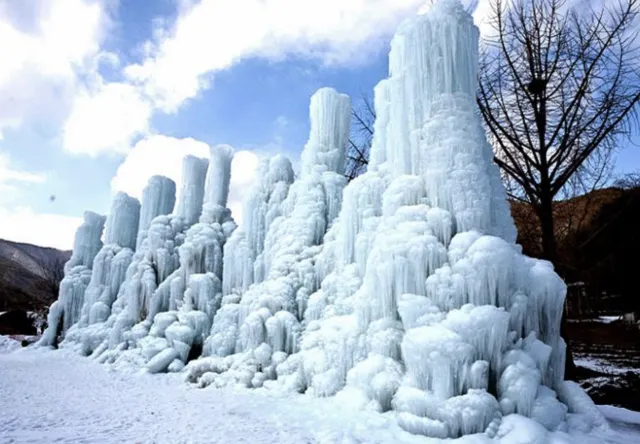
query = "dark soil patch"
{"x": 16, "y": 322}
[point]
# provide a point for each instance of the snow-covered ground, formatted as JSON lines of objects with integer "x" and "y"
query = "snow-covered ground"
{"x": 603, "y": 365}
{"x": 599, "y": 319}
{"x": 48, "y": 396}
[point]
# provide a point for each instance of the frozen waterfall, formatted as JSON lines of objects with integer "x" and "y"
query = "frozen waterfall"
{"x": 402, "y": 291}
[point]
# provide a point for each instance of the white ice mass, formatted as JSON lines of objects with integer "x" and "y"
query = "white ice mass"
{"x": 402, "y": 291}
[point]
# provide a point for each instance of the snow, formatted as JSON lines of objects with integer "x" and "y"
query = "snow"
{"x": 73, "y": 399}
{"x": 602, "y": 365}
{"x": 7, "y": 344}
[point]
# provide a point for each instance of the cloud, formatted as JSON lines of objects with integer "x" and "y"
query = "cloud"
{"x": 52, "y": 55}
{"x": 106, "y": 120}
{"x": 46, "y": 47}
{"x": 162, "y": 155}
{"x": 9, "y": 174}
{"x": 13, "y": 180}
{"x": 212, "y": 35}
{"x": 22, "y": 224}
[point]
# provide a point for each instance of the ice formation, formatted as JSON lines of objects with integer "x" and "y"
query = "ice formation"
{"x": 65, "y": 312}
{"x": 158, "y": 198}
{"x": 402, "y": 291}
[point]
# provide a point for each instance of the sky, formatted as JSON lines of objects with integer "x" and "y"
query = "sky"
{"x": 96, "y": 96}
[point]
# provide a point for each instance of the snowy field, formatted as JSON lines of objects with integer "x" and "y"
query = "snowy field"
{"x": 48, "y": 396}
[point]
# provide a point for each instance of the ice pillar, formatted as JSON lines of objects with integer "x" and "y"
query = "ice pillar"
{"x": 194, "y": 171}
{"x": 218, "y": 178}
{"x": 65, "y": 312}
{"x": 87, "y": 241}
{"x": 330, "y": 117}
{"x": 428, "y": 122}
{"x": 158, "y": 198}
{"x": 122, "y": 224}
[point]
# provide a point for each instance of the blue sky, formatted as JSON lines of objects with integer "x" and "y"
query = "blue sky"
{"x": 98, "y": 95}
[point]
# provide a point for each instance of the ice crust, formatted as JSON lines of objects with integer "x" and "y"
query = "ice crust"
{"x": 401, "y": 291}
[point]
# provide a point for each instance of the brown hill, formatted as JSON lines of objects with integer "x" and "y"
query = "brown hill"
{"x": 29, "y": 275}
{"x": 597, "y": 240}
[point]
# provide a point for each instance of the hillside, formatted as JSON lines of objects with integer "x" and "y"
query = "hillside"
{"x": 29, "y": 275}
{"x": 571, "y": 216}
{"x": 596, "y": 235}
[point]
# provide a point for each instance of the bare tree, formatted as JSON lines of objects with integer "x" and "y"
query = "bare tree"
{"x": 628, "y": 181}
{"x": 558, "y": 88}
{"x": 52, "y": 268}
{"x": 363, "y": 118}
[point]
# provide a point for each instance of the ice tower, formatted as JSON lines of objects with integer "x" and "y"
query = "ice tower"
{"x": 425, "y": 305}
{"x": 284, "y": 237}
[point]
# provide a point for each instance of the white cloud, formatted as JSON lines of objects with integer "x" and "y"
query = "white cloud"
{"x": 162, "y": 155}
{"x": 106, "y": 120}
{"x": 20, "y": 223}
{"x": 13, "y": 180}
{"x": 212, "y": 35}
{"x": 10, "y": 174}
{"x": 243, "y": 174}
{"x": 46, "y": 46}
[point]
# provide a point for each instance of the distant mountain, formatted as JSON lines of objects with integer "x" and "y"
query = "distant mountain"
{"x": 29, "y": 275}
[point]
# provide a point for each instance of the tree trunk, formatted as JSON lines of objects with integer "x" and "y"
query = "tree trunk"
{"x": 547, "y": 227}
{"x": 549, "y": 252}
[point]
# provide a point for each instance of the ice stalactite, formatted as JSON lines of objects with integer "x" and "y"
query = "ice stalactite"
{"x": 66, "y": 311}
{"x": 257, "y": 328}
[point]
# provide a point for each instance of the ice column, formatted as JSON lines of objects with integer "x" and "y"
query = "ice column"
{"x": 174, "y": 312}
{"x": 261, "y": 208}
{"x": 427, "y": 306}
{"x": 123, "y": 220}
{"x": 87, "y": 241}
{"x": 158, "y": 198}
{"x": 330, "y": 117}
{"x": 266, "y": 320}
{"x": 111, "y": 262}
{"x": 65, "y": 312}
{"x": 427, "y": 121}
{"x": 194, "y": 172}
{"x": 217, "y": 187}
